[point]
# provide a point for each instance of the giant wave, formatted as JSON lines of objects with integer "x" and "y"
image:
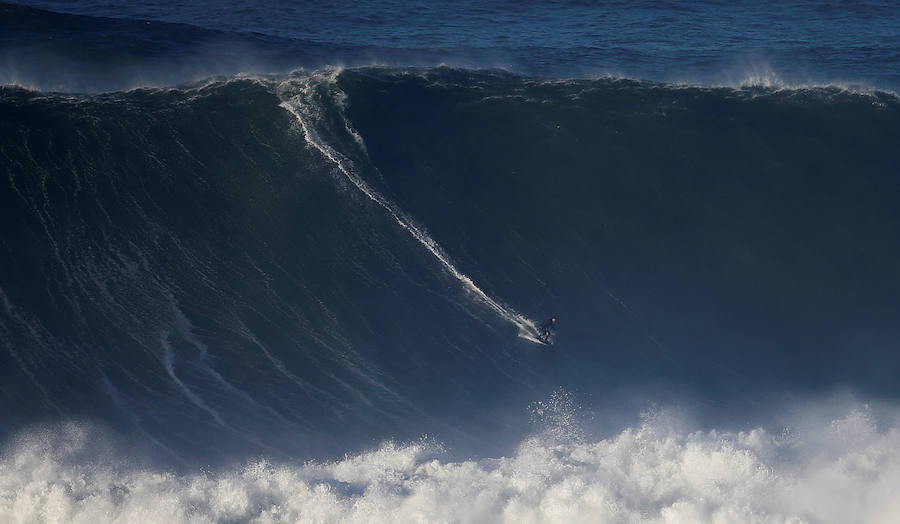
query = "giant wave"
{"x": 249, "y": 257}
{"x": 294, "y": 266}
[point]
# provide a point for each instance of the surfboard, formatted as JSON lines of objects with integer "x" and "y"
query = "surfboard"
{"x": 534, "y": 339}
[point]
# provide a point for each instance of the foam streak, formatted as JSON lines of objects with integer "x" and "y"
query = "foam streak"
{"x": 295, "y": 105}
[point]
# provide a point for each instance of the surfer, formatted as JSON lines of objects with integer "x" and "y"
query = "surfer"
{"x": 546, "y": 329}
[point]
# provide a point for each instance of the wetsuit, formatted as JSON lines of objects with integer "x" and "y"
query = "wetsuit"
{"x": 546, "y": 329}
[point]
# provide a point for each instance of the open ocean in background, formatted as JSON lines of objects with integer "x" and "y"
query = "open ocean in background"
{"x": 268, "y": 263}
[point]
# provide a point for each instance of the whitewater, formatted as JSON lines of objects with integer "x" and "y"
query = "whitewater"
{"x": 823, "y": 470}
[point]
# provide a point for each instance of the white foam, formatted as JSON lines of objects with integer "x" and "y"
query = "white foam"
{"x": 761, "y": 75}
{"x": 840, "y": 470}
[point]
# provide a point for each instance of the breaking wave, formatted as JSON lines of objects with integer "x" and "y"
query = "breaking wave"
{"x": 837, "y": 470}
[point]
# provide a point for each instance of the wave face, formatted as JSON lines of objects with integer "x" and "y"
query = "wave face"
{"x": 305, "y": 264}
{"x": 185, "y": 262}
{"x": 726, "y": 239}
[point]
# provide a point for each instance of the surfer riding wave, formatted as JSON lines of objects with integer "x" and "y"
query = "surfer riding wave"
{"x": 546, "y": 330}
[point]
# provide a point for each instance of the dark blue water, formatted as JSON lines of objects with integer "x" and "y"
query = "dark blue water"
{"x": 709, "y": 42}
{"x": 241, "y": 242}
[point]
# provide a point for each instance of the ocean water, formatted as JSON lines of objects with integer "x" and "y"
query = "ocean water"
{"x": 286, "y": 264}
